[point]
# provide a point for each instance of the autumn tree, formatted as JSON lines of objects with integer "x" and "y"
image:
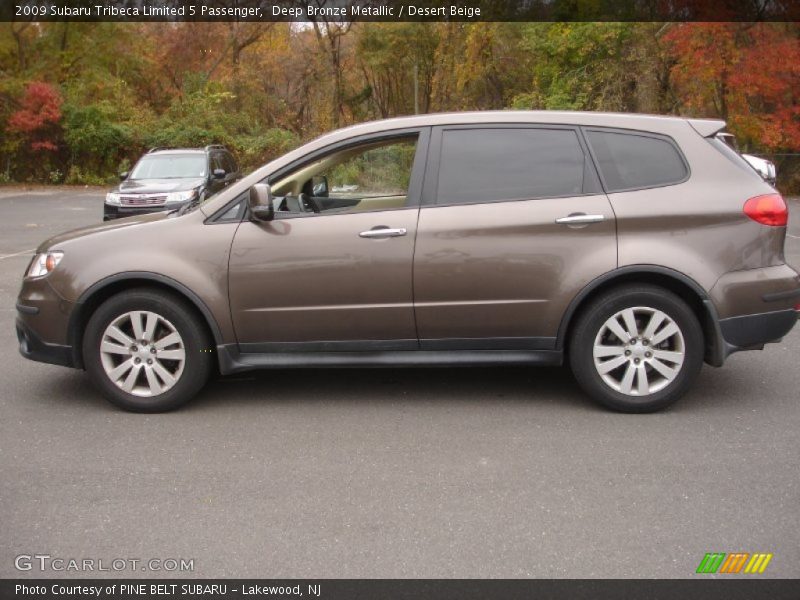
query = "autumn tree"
{"x": 395, "y": 60}
{"x": 261, "y": 88}
{"x": 37, "y": 119}
{"x": 745, "y": 73}
{"x": 34, "y": 127}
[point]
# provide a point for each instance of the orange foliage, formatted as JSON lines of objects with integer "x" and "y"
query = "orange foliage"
{"x": 746, "y": 73}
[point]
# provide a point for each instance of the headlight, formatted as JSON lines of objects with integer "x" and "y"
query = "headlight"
{"x": 181, "y": 196}
{"x": 44, "y": 263}
{"x": 112, "y": 198}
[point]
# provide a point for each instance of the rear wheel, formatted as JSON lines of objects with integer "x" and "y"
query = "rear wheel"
{"x": 146, "y": 351}
{"x": 636, "y": 348}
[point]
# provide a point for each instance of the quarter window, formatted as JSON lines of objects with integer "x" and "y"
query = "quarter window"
{"x": 630, "y": 161}
{"x": 493, "y": 165}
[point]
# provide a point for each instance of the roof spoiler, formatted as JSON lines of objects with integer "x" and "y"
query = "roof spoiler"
{"x": 707, "y": 127}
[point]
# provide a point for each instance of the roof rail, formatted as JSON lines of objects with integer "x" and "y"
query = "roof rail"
{"x": 215, "y": 147}
{"x": 157, "y": 148}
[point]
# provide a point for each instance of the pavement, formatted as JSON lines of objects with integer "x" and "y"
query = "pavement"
{"x": 491, "y": 472}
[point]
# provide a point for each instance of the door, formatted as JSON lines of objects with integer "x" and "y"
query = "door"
{"x": 217, "y": 161}
{"x": 513, "y": 224}
{"x": 333, "y": 271}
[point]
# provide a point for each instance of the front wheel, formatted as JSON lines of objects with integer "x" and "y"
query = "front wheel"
{"x": 146, "y": 351}
{"x": 636, "y": 348}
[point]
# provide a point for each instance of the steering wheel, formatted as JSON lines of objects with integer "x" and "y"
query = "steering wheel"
{"x": 309, "y": 203}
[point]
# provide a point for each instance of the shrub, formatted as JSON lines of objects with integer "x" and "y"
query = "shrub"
{"x": 78, "y": 177}
{"x": 258, "y": 149}
{"x": 95, "y": 141}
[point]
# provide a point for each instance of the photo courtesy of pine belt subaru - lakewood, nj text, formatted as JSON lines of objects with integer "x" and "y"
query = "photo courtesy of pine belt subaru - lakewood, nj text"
{"x": 631, "y": 247}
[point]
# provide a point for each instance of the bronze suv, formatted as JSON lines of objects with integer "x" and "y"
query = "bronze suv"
{"x": 634, "y": 248}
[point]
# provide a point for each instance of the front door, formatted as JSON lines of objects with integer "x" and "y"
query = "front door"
{"x": 333, "y": 271}
{"x": 513, "y": 224}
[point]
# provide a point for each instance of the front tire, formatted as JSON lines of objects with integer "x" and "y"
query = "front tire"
{"x": 636, "y": 348}
{"x": 146, "y": 351}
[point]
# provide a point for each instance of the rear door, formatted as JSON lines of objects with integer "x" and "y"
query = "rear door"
{"x": 513, "y": 224}
{"x": 222, "y": 160}
{"x": 231, "y": 168}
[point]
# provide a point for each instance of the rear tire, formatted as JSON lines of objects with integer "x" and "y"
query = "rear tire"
{"x": 636, "y": 348}
{"x": 147, "y": 351}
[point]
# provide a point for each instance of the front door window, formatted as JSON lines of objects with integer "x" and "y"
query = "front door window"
{"x": 370, "y": 177}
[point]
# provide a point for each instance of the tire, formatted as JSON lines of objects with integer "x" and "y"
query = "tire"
{"x": 646, "y": 374}
{"x": 159, "y": 375}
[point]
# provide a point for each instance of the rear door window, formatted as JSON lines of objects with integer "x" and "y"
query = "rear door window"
{"x": 216, "y": 163}
{"x": 630, "y": 161}
{"x": 228, "y": 162}
{"x": 503, "y": 164}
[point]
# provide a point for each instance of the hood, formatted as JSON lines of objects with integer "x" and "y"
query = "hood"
{"x": 53, "y": 242}
{"x": 155, "y": 186}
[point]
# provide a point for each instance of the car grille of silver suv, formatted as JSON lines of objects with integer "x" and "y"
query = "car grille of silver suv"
{"x": 142, "y": 200}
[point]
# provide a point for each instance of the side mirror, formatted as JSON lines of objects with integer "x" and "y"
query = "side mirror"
{"x": 123, "y": 176}
{"x": 260, "y": 203}
{"x": 319, "y": 186}
{"x": 219, "y": 173}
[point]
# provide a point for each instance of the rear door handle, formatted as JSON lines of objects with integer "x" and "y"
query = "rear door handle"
{"x": 580, "y": 219}
{"x": 382, "y": 232}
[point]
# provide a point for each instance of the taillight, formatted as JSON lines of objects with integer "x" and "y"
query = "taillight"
{"x": 769, "y": 209}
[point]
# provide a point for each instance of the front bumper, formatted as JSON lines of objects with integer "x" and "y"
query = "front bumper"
{"x": 31, "y": 346}
{"x": 42, "y": 324}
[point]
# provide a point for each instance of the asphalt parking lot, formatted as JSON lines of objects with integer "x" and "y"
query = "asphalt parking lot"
{"x": 502, "y": 472}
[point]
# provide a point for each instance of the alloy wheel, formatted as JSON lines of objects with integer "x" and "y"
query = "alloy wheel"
{"x": 142, "y": 353}
{"x": 639, "y": 351}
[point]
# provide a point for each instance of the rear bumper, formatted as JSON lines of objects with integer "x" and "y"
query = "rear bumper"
{"x": 753, "y": 331}
{"x": 749, "y": 308}
{"x": 756, "y": 291}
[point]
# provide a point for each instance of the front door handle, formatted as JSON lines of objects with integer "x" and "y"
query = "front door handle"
{"x": 382, "y": 232}
{"x": 580, "y": 219}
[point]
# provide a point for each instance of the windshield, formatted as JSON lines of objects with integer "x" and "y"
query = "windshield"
{"x": 170, "y": 166}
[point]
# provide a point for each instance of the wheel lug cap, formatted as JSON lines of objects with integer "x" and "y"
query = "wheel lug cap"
{"x": 137, "y": 361}
{"x": 636, "y": 360}
{"x": 152, "y": 350}
{"x": 648, "y": 354}
{"x": 134, "y": 349}
{"x": 149, "y": 361}
{"x": 627, "y": 352}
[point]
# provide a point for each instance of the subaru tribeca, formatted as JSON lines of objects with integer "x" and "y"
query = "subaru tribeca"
{"x": 633, "y": 248}
{"x": 169, "y": 179}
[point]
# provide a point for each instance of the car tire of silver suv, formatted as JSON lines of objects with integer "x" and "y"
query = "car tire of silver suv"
{"x": 636, "y": 348}
{"x": 147, "y": 351}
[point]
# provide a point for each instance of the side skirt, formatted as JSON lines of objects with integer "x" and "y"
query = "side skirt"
{"x": 233, "y": 361}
